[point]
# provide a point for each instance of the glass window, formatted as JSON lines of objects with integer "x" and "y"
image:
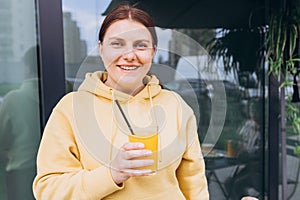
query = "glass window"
{"x": 19, "y": 99}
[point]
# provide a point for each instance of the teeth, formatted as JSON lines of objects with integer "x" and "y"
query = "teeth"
{"x": 128, "y": 68}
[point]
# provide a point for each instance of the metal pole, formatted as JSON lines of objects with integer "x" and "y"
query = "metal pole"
{"x": 273, "y": 139}
{"x": 52, "y": 71}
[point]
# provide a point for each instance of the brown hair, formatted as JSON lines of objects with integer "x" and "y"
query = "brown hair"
{"x": 128, "y": 12}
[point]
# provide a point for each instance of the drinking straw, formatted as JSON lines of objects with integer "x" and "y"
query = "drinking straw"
{"x": 123, "y": 114}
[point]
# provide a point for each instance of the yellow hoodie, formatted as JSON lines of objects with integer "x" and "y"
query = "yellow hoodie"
{"x": 85, "y": 131}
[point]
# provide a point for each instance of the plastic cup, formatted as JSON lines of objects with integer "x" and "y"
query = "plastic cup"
{"x": 149, "y": 137}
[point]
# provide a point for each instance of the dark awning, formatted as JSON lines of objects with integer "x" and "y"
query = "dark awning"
{"x": 201, "y": 13}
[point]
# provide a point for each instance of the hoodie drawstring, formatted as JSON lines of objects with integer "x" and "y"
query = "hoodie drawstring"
{"x": 156, "y": 123}
{"x": 152, "y": 107}
{"x": 113, "y": 128}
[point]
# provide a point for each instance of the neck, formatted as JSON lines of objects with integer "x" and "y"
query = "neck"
{"x": 128, "y": 90}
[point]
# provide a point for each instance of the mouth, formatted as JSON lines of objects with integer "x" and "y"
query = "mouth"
{"x": 128, "y": 68}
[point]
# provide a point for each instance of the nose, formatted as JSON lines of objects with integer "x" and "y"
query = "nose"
{"x": 129, "y": 55}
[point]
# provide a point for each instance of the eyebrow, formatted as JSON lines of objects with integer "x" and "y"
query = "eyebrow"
{"x": 117, "y": 38}
{"x": 143, "y": 40}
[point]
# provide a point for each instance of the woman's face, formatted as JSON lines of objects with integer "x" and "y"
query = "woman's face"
{"x": 127, "y": 51}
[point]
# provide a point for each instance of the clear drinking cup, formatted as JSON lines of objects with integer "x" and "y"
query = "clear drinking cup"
{"x": 149, "y": 137}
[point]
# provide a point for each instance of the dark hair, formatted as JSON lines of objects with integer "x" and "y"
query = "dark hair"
{"x": 128, "y": 12}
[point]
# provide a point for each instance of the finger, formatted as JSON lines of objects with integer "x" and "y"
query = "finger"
{"x": 132, "y": 164}
{"x": 132, "y": 146}
{"x": 132, "y": 154}
{"x": 137, "y": 172}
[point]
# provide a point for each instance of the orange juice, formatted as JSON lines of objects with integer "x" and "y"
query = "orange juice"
{"x": 230, "y": 149}
{"x": 151, "y": 143}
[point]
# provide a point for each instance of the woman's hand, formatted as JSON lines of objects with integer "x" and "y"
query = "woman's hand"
{"x": 125, "y": 163}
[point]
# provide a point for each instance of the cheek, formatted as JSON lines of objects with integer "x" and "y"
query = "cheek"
{"x": 145, "y": 57}
{"x": 108, "y": 57}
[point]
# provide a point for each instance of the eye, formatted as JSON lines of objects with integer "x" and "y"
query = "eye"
{"x": 116, "y": 44}
{"x": 141, "y": 46}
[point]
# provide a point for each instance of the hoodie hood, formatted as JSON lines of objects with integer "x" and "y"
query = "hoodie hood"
{"x": 94, "y": 83}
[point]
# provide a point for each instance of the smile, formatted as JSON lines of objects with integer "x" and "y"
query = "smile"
{"x": 128, "y": 67}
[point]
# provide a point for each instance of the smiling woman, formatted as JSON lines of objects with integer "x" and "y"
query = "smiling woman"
{"x": 93, "y": 156}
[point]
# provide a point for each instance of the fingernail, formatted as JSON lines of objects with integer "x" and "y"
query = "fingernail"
{"x": 148, "y": 153}
{"x": 151, "y": 161}
{"x": 140, "y": 145}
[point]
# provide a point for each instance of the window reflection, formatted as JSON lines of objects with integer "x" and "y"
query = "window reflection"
{"x": 19, "y": 99}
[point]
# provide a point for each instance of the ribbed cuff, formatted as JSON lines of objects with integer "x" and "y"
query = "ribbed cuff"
{"x": 99, "y": 183}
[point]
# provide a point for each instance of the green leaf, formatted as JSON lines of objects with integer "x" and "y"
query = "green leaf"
{"x": 293, "y": 39}
{"x": 286, "y": 83}
{"x": 297, "y": 149}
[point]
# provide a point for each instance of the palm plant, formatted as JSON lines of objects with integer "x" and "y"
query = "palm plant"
{"x": 236, "y": 51}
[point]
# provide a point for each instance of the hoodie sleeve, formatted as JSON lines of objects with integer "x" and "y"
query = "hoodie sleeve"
{"x": 60, "y": 174}
{"x": 191, "y": 171}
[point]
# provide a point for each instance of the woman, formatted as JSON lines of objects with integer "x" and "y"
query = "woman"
{"x": 84, "y": 153}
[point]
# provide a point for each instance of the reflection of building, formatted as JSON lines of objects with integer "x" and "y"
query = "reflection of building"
{"x": 75, "y": 48}
{"x": 18, "y": 34}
